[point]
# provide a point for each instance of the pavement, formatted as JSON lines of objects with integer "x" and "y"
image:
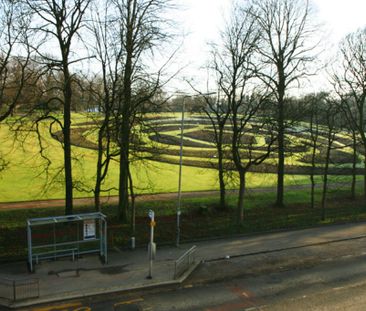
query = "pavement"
{"x": 127, "y": 270}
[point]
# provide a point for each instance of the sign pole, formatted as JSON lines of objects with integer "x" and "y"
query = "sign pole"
{"x": 152, "y": 245}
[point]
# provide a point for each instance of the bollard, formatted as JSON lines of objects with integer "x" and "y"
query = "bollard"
{"x": 133, "y": 243}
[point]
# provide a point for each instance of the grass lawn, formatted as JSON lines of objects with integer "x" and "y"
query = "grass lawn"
{"x": 26, "y": 179}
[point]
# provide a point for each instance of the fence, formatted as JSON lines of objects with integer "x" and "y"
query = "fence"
{"x": 13, "y": 240}
{"x": 19, "y": 289}
{"x": 184, "y": 262}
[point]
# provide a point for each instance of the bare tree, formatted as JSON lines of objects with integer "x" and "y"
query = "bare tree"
{"x": 109, "y": 56}
{"x": 285, "y": 49}
{"x": 218, "y": 112}
{"x": 315, "y": 102}
{"x": 331, "y": 115}
{"x": 60, "y": 22}
{"x": 244, "y": 112}
{"x": 14, "y": 56}
{"x": 140, "y": 26}
{"x": 350, "y": 84}
{"x": 15, "y": 70}
{"x": 233, "y": 66}
{"x": 104, "y": 127}
{"x": 346, "y": 107}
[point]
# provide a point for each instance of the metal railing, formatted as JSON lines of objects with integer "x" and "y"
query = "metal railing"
{"x": 184, "y": 262}
{"x": 19, "y": 289}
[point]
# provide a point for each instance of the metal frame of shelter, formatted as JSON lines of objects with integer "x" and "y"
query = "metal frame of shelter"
{"x": 74, "y": 247}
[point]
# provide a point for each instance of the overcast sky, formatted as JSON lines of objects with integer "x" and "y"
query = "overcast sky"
{"x": 202, "y": 20}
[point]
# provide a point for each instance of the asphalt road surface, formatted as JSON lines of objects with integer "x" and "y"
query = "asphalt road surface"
{"x": 332, "y": 278}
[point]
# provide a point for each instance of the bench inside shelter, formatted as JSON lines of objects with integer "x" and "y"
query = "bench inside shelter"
{"x": 66, "y": 236}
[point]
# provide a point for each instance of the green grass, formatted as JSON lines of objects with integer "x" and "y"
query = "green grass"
{"x": 25, "y": 178}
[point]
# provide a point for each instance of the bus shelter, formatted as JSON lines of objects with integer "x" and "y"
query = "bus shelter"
{"x": 62, "y": 236}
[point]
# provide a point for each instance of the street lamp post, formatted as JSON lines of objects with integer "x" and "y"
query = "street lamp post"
{"x": 180, "y": 173}
{"x": 180, "y": 164}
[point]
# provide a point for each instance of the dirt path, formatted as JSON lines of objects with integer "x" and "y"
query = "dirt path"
{"x": 144, "y": 197}
{"x": 109, "y": 200}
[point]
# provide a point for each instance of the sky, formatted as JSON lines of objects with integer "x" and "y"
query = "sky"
{"x": 341, "y": 16}
{"x": 201, "y": 21}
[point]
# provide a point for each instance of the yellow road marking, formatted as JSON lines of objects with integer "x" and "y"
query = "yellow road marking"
{"x": 59, "y": 307}
{"x": 127, "y": 302}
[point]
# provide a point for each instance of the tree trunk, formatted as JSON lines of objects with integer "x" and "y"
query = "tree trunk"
{"x": 324, "y": 194}
{"x": 325, "y": 180}
{"x": 364, "y": 176}
{"x": 281, "y": 147}
{"x": 222, "y": 187}
{"x": 123, "y": 178}
{"x": 125, "y": 128}
{"x": 221, "y": 171}
{"x": 354, "y": 167}
{"x": 240, "y": 207}
{"x": 67, "y": 140}
{"x": 218, "y": 122}
{"x": 312, "y": 194}
{"x": 98, "y": 182}
{"x": 133, "y": 207}
{"x": 97, "y": 198}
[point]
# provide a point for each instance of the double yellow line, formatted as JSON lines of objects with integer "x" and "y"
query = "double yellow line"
{"x": 76, "y": 306}
{"x": 128, "y": 302}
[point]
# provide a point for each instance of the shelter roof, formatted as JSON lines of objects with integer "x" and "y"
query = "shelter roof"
{"x": 66, "y": 218}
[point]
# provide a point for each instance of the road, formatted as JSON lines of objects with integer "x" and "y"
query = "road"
{"x": 332, "y": 279}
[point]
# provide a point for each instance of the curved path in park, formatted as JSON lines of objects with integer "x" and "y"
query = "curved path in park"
{"x": 146, "y": 197}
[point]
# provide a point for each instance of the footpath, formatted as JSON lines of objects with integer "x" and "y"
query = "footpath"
{"x": 167, "y": 196}
{"x": 127, "y": 270}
